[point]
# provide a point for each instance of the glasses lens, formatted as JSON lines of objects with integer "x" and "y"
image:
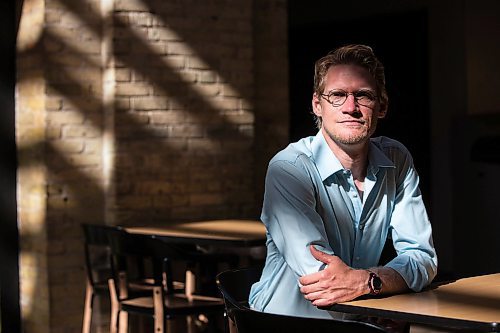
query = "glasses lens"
{"x": 362, "y": 97}
{"x": 365, "y": 98}
{"x": 337, "y": 97}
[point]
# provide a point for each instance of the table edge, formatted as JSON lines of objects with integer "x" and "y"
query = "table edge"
{"x": 419, "y": 318}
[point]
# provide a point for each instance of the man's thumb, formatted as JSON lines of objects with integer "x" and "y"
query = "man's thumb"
{"x": 320, "y": 255}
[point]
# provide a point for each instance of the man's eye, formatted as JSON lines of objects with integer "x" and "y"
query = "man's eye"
{"x": 337, "y": 94}
{"x": 364, "y": 95}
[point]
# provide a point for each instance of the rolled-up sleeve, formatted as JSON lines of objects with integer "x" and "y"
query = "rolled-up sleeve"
{"x": 416, "y": 258}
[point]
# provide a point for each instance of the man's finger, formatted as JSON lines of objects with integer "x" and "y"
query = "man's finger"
{"x": 322, "y": 302}
{"x": 311, "y": 288}
{"x": 314, "y": 296}
{"x": 310, "y": 278}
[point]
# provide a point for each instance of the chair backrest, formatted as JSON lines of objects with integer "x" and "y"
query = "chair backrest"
{"x": 235, "y": 285}
{"x": 147, "y": 257}
{"x": 249, "y": 321}
{"x": 97, "y": 253}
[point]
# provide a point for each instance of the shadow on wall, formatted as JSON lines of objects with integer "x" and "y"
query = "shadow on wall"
{"x": 182, "y": 123}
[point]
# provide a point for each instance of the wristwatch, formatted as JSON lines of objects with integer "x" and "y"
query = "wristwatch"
{"x": 374, "y": 283}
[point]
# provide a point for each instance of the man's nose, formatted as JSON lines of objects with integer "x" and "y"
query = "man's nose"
{"x": 350, "y": 105}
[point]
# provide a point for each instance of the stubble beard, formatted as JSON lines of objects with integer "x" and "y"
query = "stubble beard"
{"x": 349, "y": 139}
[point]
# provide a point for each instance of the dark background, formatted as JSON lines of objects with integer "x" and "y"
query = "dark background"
{"x": 405, "y": 62}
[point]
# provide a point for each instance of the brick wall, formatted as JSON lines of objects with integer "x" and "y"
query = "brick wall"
{"x": 31, "y": 187}
{"x": 134, "y": 111}
{"x": 184, "y": 122}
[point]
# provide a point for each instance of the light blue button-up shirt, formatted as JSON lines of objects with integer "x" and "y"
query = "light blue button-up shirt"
{"x": 311, "y": 199}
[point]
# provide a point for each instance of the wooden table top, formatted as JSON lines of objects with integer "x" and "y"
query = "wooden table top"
{"x": 466, "y": 303}
{"x": 230, "y": 232}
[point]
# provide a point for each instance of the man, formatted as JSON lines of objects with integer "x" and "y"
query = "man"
{"x": 332, "y": 199}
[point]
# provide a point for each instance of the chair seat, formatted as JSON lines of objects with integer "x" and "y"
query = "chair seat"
{"x": 177, "y": 304}
{"x": 148, "y": 284}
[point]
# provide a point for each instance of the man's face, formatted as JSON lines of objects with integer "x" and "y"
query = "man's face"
{"x": 350, "y": 123}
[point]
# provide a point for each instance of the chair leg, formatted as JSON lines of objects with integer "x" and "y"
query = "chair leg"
{"x": 190, "y": 323}
{"x": 123, "y": 322}
{"x": 87, "y": 311}
{"x": 232, "y": 326}
{"x": 115, "y": 306}
{"x": 159, "y": 316}
{"x": 190, "y": 286}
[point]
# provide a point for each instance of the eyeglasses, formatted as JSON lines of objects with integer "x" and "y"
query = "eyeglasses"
{"x": 338, "y": 97}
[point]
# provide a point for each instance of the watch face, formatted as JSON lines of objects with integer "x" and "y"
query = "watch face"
{"x": 377, "y": 283}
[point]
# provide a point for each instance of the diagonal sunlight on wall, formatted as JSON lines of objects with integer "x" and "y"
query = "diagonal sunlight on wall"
{"x": 31, "y": 196}
{"x": 221, "y": 96}
{"x": 108, "y": 94}
{"x": 178, "y": 94}
{"x": 141, "y": 114}
{"x": 61, "y": 108}
{"x": 31, "y": 25}
{"x": 167, "y": 86}
{"x": 187, "y": 63}
{"x": 35, "y": 191}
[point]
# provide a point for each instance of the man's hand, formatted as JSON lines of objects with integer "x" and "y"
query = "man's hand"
{"x": 336, "y": 283}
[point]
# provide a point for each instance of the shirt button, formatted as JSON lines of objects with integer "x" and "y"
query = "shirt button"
{"x": 354, "y": 195}
{"x": 357, "y": 258}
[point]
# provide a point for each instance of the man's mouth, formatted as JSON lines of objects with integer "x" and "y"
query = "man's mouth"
{"x": 352, "y": 122}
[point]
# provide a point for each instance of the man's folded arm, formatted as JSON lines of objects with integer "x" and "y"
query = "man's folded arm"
{"x": 290, "y": 216}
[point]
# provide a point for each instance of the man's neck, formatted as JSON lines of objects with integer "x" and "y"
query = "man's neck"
{"x": 355, "y": 160}
{"x": 353, "y": 157}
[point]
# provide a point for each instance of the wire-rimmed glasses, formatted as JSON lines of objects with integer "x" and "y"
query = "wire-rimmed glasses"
{"x": 337, "y": 97}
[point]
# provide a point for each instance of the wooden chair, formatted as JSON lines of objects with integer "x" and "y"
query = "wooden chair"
{"x": 97, "y": 267}
{"x": 235, "y": 287}
{"x": 136, "y": 256}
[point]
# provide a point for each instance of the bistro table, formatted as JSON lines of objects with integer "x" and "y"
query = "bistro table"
{"x": 232, "y": 239}
{"x": 239, "y": 233}
{"x": 470, "y": 303}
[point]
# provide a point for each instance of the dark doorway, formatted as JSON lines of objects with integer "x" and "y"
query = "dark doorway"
{"x": 10, "y": 319}
{"x": 400, "y": 42}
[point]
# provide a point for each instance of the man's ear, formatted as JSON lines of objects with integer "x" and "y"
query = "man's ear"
{"x": 316, "y": 105}
{"x": 382, "y": 112}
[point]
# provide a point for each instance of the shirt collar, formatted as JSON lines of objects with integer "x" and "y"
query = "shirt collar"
{"x": 377, "y": 158}
{"x": 326, "y": 161}
{"x": 328, "y": 164}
